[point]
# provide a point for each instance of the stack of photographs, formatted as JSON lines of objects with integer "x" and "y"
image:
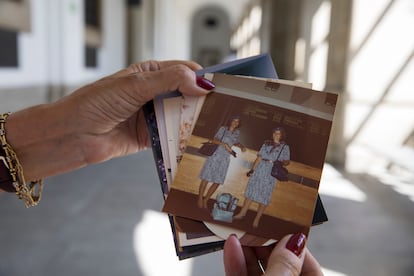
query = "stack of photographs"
{"x": 208, "y": 198}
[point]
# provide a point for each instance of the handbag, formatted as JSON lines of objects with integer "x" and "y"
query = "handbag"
{"x": 278, "y": 171}
{"x": 224, "y": 207}
{"x": 208, "y": 148}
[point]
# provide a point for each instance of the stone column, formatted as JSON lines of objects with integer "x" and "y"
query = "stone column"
{"x": 336, "y": 77}
{"x": 281, "y": 21}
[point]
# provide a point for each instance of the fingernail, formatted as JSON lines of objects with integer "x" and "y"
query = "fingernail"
{"x": 296, "y": 243}
{"x": 205, "y": 83}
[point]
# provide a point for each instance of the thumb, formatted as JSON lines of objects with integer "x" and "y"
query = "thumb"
{"x": 176, "y": 77}
{"x": 287, "y": 258}
{"x": 233, "y": 257}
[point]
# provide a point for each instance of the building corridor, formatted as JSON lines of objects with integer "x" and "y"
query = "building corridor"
{"x": 105, "y": 220}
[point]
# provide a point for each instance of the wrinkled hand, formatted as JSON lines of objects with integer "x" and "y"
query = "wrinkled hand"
{"x": 288, "y": 257}
{"x": 99, "y": 121}
{"x": 108, "y": 118}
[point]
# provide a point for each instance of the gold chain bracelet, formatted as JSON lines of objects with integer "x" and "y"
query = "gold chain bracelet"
{"x": 29, "y": 194}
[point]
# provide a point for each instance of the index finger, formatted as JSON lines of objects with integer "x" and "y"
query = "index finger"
{"x": 154, "y": 65}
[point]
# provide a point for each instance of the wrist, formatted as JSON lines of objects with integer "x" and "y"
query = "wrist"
{"x": 6, "y": 180}
{"x": 42, "y": 136}
{"x": 11, "y": 171}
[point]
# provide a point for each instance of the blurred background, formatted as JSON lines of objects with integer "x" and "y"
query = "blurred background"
{"x": 105, "y": 219}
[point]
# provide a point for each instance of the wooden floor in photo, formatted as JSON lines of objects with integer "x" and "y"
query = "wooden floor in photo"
{"x": 269, "y": 227}
{"x": 292, "y": 200}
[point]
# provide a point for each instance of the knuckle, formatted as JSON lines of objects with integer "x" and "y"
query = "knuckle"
{"x": 182, "y": 71}
{"x": 153, "y": 65}
{"x": 149, "y": 65}
{"x": 134, "y": 68}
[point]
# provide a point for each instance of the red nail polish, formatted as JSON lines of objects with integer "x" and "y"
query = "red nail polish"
{"x": 205, "y": 83}
{"x": 296, "y": 243}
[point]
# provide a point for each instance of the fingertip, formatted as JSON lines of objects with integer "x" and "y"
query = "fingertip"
{"x": 232, "y": 235}
{"x": 232, "y": 242}
{"x": 286, "y": 257}
{"x": 205, "y": 83}
{"x": 296, "y": 243}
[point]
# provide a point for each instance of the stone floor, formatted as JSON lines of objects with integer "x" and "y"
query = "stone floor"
{"x": 105, "y": 220}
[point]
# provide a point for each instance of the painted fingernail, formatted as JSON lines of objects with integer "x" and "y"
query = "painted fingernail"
{"x": 205, "y": 83}
{"x": 296, "y": 243}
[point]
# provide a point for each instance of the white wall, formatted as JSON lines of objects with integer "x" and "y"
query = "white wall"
{"x": 51, "y": 55}
{"x": 53, "y": 52}
{"x": 111, "y": 56}
{"x": 32, "y": 53}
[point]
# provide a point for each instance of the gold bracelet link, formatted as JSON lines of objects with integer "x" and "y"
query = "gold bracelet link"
{"x": 30, "y": 195}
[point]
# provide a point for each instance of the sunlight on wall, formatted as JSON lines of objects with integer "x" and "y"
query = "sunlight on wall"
{"x": 300, "y": 50}
{"x": 246, "y": 40}
{"x": 380, "y": 107}
{"x": 319, "y": 46}
{"x": 154, "y": 247}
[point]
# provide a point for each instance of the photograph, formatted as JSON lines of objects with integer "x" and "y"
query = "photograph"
{"x": 192, "y": 237}
{"x": 265, "y": 145}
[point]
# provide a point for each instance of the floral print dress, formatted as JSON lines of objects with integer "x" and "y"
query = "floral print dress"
{"x": 216, "y": 166}
{"x": 261, "y": 183}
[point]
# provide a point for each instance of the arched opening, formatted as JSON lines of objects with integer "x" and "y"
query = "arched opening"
{"x": 210, "y": 35}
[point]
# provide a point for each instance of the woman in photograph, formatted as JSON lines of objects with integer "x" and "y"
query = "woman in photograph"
{"x": 261, "y": 183}
{"x": 216, "y": 166}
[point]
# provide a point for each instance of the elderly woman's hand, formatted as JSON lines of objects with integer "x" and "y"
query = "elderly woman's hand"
{"x": 99, "y": 121}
